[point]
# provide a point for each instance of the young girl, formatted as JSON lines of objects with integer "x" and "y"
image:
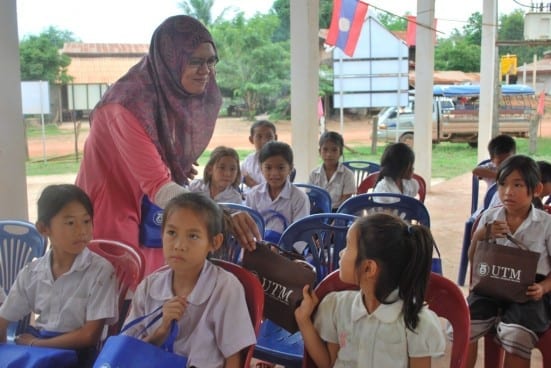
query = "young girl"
{"x": 72, "y": 291}
{"x": 385, "y": 324}
{"x": 397, "y": 171}
{"x": 207, "y": 302}
{"x": 332, "y": 175}
{"x": 277, "y": 200}
{"x": 517, "y": 325}
{"x": 221, "y": 176}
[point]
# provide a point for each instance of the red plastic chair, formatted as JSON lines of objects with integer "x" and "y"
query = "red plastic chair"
{"x": 443, "y": 297}
{"x": 370, "y": 181}
{"x": 254, "y": 294}
{"x": 129, "y": 264}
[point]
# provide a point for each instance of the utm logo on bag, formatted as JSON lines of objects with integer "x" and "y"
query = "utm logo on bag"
{"x": 158, "y": 218}
{"x": 499, "y": 272}
{"x": 275, "y": 290}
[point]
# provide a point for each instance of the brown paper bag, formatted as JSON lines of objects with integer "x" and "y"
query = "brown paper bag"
{"x": 503, "y": 272}
{"x": 282, "y": 279}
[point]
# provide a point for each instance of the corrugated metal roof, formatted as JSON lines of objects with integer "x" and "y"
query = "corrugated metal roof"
{"x": 101, "y": 63}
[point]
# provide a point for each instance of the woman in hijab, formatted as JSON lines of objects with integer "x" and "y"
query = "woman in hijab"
{"x": 149, "y": 129}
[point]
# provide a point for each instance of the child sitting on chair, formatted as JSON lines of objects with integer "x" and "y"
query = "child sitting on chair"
{"x": 332, "y": 175}
{"x": 396, "y": 172}
{"x": 221, "y": 177}
{"x": 279, "y": 201}
{"x": 207, "y": 302}
{"x": 262, "y": 131}
{"x": 72, "y": 290}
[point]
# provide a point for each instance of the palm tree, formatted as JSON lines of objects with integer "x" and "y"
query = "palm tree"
{"x": 202, "y": 10}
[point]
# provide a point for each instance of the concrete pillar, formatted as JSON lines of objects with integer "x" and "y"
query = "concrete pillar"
{"x": 304, "y": 86}
{"x": 424, "y": 66}
{"x": 13, "y": 182}
{"x": 487, "y": 115}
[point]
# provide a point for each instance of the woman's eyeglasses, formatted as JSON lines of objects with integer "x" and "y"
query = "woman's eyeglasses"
{"x": 197, "y": 63}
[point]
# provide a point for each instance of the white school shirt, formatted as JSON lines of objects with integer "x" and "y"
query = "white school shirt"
{"x": 387, "y": 185}
{"x": 342, "y": 182}
{"x": 87, "y": 292}
{"x": 292, "y": 203}
{"x": 251, "y": 167}
{"x": 2, "y": 295}
{"x": 230, "y": 194}
{"x": 376, "y": 340}
{"x": 534, "y": 232}
{"x": 216, "y": 323}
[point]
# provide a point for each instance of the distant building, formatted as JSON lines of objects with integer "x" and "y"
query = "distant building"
{"x": 542, "y": 67}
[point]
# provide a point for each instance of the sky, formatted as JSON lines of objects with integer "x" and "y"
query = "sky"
{"x": 131, "y": 21}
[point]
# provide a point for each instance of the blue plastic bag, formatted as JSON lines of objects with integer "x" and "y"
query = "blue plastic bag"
{"x": 150, "y": 225}
{"x": 25, "y": 356}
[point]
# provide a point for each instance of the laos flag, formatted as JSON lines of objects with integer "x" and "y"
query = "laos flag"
{"x": 346, "y": 24}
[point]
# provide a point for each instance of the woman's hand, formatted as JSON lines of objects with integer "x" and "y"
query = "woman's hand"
{"x": 309, "y": 302}
{"x": 245, "y": 230}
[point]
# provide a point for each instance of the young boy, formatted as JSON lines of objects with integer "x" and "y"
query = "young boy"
{"x": 262, "y": 131}
{"x": 499, "y": 148}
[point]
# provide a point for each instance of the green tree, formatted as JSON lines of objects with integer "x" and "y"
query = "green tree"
{"x": 252, "y": 66}
{"x": 456, "y": 53}
{"x": 473, "y": 29}
{"x": 511, "y": 28}
{"x": 202, "y": 10}
{"x": 40, "y": 58}
{"x": 282, "y": 9}
{"x": 393, "y": 22}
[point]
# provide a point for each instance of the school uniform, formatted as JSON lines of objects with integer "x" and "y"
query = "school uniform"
{"x": 229, "y": 195}
{"x": 87, "y": 292}
{"x": 2, "y": 295}
{"x": 291, "y": 203}
{"x": 517, "y": 324}
{"x": 216, "y": 323}
{"x": 342, "y": 182}
{"x": 410, "y": 187}
{"x": 251, "y": 167}
{"x": 379, "y": 339}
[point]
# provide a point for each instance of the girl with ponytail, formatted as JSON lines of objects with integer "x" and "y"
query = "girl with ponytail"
{"x": 385, "y": 323}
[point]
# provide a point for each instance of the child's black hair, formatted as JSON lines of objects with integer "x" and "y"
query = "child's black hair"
{"x": 262, "y": 123}
{"x": 275, "y": 148}
{"x": 54, "y": 197}
{"x": 334, "y": 137}
{"x": 545, "y": 171}
{"x": 527, "y": 168}
{"x": 201, "y": 205}
{"x": 216, "y": 155}
{"x": 396, "y": 161}
{"x": 403, "y": 253}
{"x": 502, "y": 144}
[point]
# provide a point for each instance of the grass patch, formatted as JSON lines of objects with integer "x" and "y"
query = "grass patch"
{"x": 448, "y": 159}
{"x": 49, "y": 130}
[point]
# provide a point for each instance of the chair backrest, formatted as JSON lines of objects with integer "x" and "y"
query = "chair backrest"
{"x": 371, "y": 180}
{"x": 320, "y": 237}
{"x": 408, "y": 208}
{"x": 254, "y": 294}
{"x": 492, "y": 189}
{"x": 442, "y": 296}
{"x": 233, "y": 249}
{"x": 446, "y": 299}
{"x": 361, "y": 169}
{"x": 129, "y": 265}
{"x": 320, "y": 199}
{"x": 20, "y": 243}
{"x": 475, "y": 181}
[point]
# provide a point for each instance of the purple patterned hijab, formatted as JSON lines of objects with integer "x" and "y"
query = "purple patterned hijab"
{"x": 179, "y": 124}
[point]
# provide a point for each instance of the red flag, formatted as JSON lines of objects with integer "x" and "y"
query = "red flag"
{"x": 412, "y": 28}
{"x": 346, "y": 24}
{"x": 541, "y": 104}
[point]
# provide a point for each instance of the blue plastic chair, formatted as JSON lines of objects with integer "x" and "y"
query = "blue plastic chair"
{"x": 320, "y": 199}
{"x": 475, "y": 185}
{"x": 20, "y": 243}
{"x": 361, "y": 169}
{"x": 233, "y": 250}
{"x": 408, "y": 208}
{"x": 324, "y": 235}
{"x": 467, "y": 232}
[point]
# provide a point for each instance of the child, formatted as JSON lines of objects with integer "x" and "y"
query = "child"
{"x": 396, "y": 172}
{"x": 277, "y": 200}
{"x": 72, "y": 291}
{"x": 332, "y": 175}
{"x": 207, "y": 302}
{"x": 262, "y": 131}
{"x": 221, "y": 176}
{"x": 385, "y": 324}
{"x": 517, "y": 324}
{"x": 499, "y": 148}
